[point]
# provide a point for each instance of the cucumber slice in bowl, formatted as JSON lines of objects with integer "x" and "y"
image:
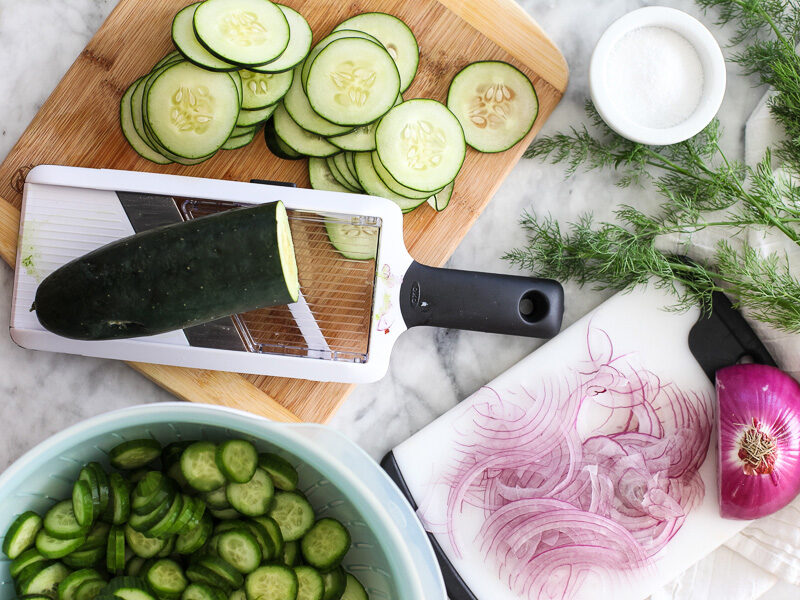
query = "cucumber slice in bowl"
{"x": 244, "y": 32}
{"x": 421, "y": 143}
{"x": 396, "y": 37}
{"x": 261, "y": 90}
{"x": 496, "y": 104}
{"x": 299, "y": 43}
{"x": 353, "y": 82}
{"x": 191, "y": 111}
{"x": 186, "y": 42}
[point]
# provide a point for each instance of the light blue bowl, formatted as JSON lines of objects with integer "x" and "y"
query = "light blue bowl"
{"x": 391, "y": 554}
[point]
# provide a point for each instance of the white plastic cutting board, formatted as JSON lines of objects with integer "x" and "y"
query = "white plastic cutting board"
{"x": 636, "y": 323}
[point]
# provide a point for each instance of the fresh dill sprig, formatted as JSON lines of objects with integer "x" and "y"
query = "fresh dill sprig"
{"x": 698, "y": 183}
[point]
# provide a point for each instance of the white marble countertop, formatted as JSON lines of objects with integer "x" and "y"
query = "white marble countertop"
{"x": 431, "y": 369}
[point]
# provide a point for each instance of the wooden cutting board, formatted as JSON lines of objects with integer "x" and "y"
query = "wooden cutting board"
{"x": 78, "y": 126}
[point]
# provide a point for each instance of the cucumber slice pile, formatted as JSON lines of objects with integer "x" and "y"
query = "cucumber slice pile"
{"x": 191, "y": 521}
{"x": 185, "y": 110}
{"x": 338, "y": 103}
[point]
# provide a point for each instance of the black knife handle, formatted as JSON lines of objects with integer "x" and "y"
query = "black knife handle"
{"x": 724, "y": 338}
{"x": 486, "y": 302}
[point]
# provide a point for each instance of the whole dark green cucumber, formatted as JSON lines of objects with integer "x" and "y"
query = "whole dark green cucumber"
{"x": 174, "y": 277}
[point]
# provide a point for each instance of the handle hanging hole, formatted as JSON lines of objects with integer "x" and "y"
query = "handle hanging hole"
{"x": 533, "y": 306}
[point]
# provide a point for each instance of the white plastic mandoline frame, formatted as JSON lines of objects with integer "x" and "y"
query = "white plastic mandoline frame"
{"x": 69, "y": 211}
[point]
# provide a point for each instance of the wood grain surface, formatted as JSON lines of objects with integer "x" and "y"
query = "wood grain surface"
{"x": 78, "y": 126}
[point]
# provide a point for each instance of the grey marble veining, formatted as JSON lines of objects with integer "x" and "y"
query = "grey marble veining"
{"x": 431, "y": 369}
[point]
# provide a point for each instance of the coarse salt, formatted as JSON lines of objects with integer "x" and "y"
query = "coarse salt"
{"x": 655, "y": 76}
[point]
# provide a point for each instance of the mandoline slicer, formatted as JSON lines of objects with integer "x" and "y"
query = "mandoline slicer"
{"x": 349, "y": 314}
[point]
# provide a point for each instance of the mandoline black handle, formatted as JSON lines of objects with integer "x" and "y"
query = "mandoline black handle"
{"x": 486, "y": 302}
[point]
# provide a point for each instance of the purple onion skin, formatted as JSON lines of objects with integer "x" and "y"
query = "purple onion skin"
{"x": 765, "y": 402}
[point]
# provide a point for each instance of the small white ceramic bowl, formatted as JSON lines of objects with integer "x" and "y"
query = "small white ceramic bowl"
{"x": 710, "y": 56}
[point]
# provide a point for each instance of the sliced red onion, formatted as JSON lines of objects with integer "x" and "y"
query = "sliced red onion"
{"x": 758, "y": 440}
{"x": 592, "y": 474}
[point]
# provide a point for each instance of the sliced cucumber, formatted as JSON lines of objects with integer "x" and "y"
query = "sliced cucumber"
{"x": 237, "y": 131}
{"x": 137, "y": 110}
{"x": 264, "y": 89}
{"x": 68, "y": 587}
{"x": 350, "y": 161}
{"x": 90, "y": 589}
{"x": 253, "y": 498}
{"x": 321, "y": 177}
{"x": 191, "y": 111}
{"x": 240, "y": 141}
{"x": 335, "y": 584}
{"x": 31, "y": 556}
{"x": 45, "y": 581}
{"x": 325, "y": 544}
{"x": 263, "y": 538}
{"x": 272, "y": 582}
{"x": 340, "y": 161}
{"x": 421, "y": 143}
{"x": 396, "y": 37}
{"x": 142, "y": 545}
{"x": 191, "y": 541}
{"x": 298, "y": 107}
{"x": 22, "y": 534}
{"x": 299, "y": 43}
{"x": 102, "y": 485}
{"x": 126, "y": 123}
{"x": 240, "y": 548}
{"x": 166, "y": 578}
{"x": 248, "y": 118}
{"x": 201, "y": 591}
{"x": 332, "y": 37}
{"x": 441, "y": 199}
{"x": 199, "y": 466}
{"x": 238, "y": 460}
{"x": 394, "y": 185}
{"x": 119, "y": 500}
{"x": 82, "y": 504}
{"x": 354, "y": 590}
{"x": 185, "y": 40}
{"x": 115, "y": 550}
{"x": 361, "y": 139}
{"x": 291, "y": 554}
{"x": 276, "y": 145}
{"x": 283, "y": 474}
{"x": 243, "y": 32}
{"x": 61, "y": 523}
{"x": 340, "y": 179}
{"x": 352, "y": 82}
{"x": 354, "y": 241}
{"x": 297, "y": 138}
{"x": 273, "y": 530}
{"x": 495, "y": 103}
{"x": 237, "y": 79}
{"x": 373, "y": 184}
{"x": 310, "y": 585}
{"x": 134, "y": 454}
{"x": 217, "y": 499}
{"x": 54, "y": 548}
{"x": 221, "y": 567}
{"x": 173, "y": 56}
{"x": 293, "y": 514}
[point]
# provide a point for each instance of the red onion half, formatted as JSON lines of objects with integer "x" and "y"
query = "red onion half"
{"x": 758, "y": 440}
{"x": 592, "y": 474}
